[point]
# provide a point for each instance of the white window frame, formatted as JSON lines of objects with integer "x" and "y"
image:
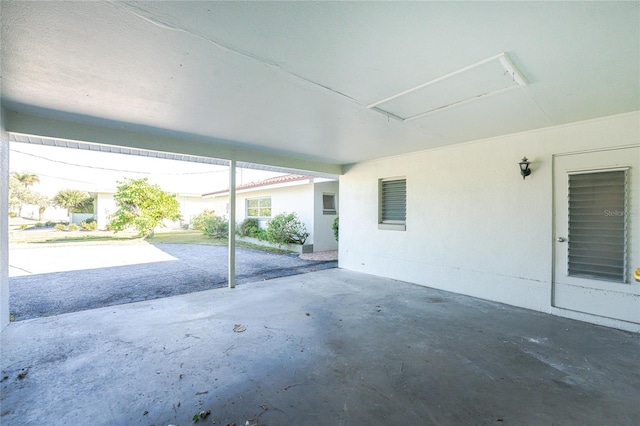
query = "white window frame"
{"x": 260, "y": 216}
{"x": 387, "y": 224}
{"x": 329, "y": 211}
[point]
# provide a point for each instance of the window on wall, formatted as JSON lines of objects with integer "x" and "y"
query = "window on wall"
{"x": 259, "y": 207}
{"x": 598, "y": 225}
{"x": 328, "y": 203}
{"x": 392, "y": 209}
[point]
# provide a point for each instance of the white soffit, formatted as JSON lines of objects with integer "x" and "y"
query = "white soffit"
{"x": 65, "y": 143}
{"x": 487, "y": 77}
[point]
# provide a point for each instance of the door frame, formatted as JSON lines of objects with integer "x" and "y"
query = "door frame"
{"x": 579, "y": 314}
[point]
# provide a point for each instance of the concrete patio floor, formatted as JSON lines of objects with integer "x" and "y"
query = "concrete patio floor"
{"x": 326, "y": 348}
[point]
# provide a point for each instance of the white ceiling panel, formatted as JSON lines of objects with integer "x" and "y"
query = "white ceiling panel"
{"x": 516, "y": 110}
{"x": 472, "y": 83}
{"x": 296, "y": 78}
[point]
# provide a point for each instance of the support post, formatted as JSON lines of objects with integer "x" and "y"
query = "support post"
{"x": 4, "y": 222}
{"x": 232, "y": 224}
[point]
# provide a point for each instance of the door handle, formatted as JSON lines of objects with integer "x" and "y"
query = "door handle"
{"x": 561, "y": 239}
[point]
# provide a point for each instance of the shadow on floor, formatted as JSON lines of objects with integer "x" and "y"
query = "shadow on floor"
{"x": 326, "y": 348}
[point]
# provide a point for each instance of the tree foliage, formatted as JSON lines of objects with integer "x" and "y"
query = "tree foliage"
{"x": 20, "y": 194}
{"x": 143, "y": 206}
{"x": 86, "y": 206}
{"x": 199, "y": 221}
{"x": 250, "y": 227}
{"x": 27, "y": 179}
{"x": 74, "y": 200}
{"x": 216, "y": 227}
{"x": 42, "y": 201}
{"x": 286, "y": 228}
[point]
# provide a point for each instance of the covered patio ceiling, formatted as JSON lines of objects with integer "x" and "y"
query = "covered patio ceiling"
{"x": 312, "y": 85}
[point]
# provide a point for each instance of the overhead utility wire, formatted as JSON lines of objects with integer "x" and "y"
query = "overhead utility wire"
{"x": 70, "y": 180}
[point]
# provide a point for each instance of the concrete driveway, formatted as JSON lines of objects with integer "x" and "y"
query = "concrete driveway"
{"x": 332, "y": 347}
{"x": 53, "y": 279}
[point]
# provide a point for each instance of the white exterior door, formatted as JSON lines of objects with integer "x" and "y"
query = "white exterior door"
{"x": 597, "y": 233}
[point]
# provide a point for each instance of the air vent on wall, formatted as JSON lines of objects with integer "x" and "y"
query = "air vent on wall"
{"x": 487, "y": 77}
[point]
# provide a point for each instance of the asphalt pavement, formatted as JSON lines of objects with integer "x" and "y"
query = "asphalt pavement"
{"x": 54, "y": 279}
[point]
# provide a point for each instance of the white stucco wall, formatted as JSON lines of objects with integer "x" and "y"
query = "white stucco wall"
{"x": 323, "y": 234}
{"x": 193, "y": 205}
{"x": 51, "y": 213}
{"x": 4, "y": 222}
{"x": 474, "y": 226}
{"x": 105, "y": 206}
{"x": 304, "y": 199}
{"x": 291, "y": 199}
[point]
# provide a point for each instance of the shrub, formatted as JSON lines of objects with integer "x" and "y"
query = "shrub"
{"x": 251, "y": 228}
{"x": 286, "y": 228}
{"x": 89, "y": 226}
{"x": 39, "y": 225}
{"x": 60, "y": 227}
{"x": 24, "y": 226}
{"x": 334, "y": 227}
{"x": 245, "y": 227}
{"x": 199, "y": 221}
{"x": 49, "y": 223}
{"x": 73, "y": 227}
{"x": 217, "y": 227}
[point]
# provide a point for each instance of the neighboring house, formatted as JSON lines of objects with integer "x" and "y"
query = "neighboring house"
{"x": 315, "y": 200}
{"x": 51, "y": 213}
{"x": 190, "y": 205}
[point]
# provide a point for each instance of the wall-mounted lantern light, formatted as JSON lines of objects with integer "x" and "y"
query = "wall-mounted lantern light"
{"x": 524, "y": 167}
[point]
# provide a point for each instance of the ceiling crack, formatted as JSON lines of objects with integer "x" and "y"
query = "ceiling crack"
{"x": 147, "y": 16}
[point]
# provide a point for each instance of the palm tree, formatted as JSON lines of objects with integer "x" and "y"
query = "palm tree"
{"x": 70, "y": 199}
{"x": 27, "y": 179}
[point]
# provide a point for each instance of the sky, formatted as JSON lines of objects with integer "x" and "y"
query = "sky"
{"x": 91, "y": 171}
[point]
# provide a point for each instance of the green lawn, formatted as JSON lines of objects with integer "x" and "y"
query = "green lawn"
{"x": 185, "y": 237}
{"x": 51, "y": 236}
{"x": 197, "y": 237}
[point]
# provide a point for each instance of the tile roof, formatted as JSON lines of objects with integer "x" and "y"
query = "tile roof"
{"x": 277, "y": 180}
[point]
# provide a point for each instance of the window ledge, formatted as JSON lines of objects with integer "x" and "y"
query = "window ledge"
{"x": 333, "y": 212}
{"x": 392, "y": 226}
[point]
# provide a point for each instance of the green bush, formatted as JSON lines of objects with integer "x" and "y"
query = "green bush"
{"x": 39, "y": 225}
{"x": 251, "y": 228}
{"x": 286, "y": 228}
{"x": 60, "y": 227}
{"x": 199, "y": 221}
{"x": 24, "y": 226}
{"x": 89, "y": 226}
{"x": 49, "y": 224}
{"x": 334, "y": 227}
{"x": 217, "y": 227}
{"x": 73, "y": 227}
